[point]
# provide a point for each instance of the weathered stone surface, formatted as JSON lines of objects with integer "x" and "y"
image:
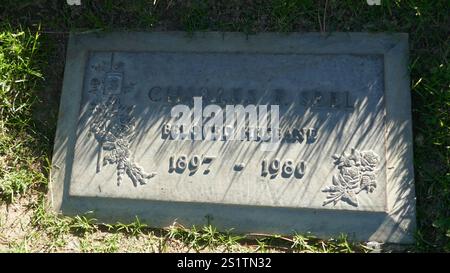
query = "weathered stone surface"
{"x": 344, "y": 163}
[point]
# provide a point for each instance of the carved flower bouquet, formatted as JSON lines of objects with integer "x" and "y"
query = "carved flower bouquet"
{"x": 113, "y": 127}
{"x": 357, "y": 172}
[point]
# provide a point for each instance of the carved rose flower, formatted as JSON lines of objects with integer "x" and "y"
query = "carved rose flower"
{"x": 369, "y": 159}
{"x": 368, "y": 182}
{"x": 343, "y": 187}
{"x": 350, "y": 176}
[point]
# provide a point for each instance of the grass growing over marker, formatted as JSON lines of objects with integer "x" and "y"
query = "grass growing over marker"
{"x": 32, "y": 51}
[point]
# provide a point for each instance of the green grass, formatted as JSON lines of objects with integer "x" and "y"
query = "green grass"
{"x": 20, "y": 77}
{"x": 33, "y": 35}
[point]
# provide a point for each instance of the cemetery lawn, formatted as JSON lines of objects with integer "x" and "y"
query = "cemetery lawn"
{"x": 33, "y": 38}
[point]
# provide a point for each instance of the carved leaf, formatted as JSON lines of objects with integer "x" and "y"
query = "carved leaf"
{"x": 332, "y": 189}
{"x": 335, "y": 180}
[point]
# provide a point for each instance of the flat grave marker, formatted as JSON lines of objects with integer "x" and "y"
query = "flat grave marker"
{"x": 260, "y": 133}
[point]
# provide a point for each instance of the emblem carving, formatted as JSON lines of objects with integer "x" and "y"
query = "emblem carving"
{"x": 113, "y": 126}
{"x": 357, "y": 172}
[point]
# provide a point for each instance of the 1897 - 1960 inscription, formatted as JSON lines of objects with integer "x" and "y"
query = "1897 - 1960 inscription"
{"x": 266, "y": 128}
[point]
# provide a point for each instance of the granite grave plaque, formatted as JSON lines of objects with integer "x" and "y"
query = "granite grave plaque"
{"x": 147, "y": 121}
